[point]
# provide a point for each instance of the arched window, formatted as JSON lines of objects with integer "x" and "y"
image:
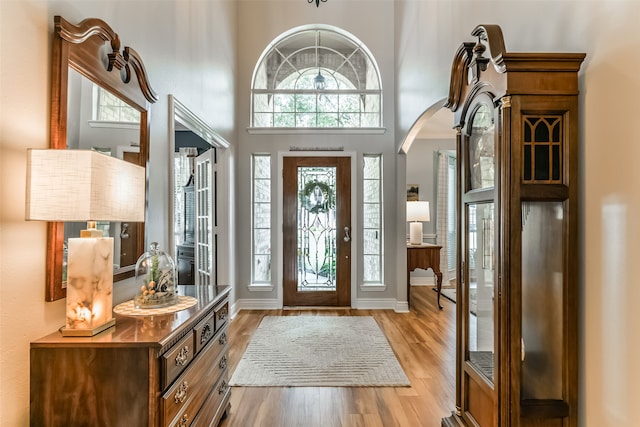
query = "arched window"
{"x": 316, "y": 77}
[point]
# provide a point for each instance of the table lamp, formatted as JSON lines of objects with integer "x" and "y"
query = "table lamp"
{"x": 84, "y": 185}
{"x": 416, "y": 213}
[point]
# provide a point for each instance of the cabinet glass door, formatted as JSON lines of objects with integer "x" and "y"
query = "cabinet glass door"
{"x": 480, "y": 287}
{"x": 542, "y": 300}
{"x": 478, "y": 239}
{"x": 480, "y": 162}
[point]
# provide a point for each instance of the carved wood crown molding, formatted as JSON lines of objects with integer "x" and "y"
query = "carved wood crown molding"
{"x": 461, "y": 61}
{"x": 469, "y": 61}
{"x": 470, "y": 66}
{"x": 124, "y": 62}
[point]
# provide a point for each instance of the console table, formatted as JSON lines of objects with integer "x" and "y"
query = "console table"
{"x": 424, "y": 256}
{"x": 154, "y": 371}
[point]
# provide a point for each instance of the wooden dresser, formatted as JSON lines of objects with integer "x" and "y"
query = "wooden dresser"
{"x": 167, "y": 370}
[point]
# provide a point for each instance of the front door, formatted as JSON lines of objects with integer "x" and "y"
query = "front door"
{"x": 317, "y": 231}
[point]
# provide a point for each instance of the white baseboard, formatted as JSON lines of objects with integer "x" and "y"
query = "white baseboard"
{"x": 256, "y": 304}
{"x": 401, "y": 307}
{"x": 375, "y": 304}
{"x": 423, "y": 280}
{"x": 361, "y": 304}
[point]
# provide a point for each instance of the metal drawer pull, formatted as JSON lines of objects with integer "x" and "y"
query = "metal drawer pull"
{"x": 223, "y": 362}
{"x": 183, "y": 356}
{"x": 181, "y": 394}
{"x": 184, "y": 421}
{"x": 223, "y": 339}
{"x": 223, "y": 387}
{"x": 222, "y": 314}
{"x": 206, "y": 334}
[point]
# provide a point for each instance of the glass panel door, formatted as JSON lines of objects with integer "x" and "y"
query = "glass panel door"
{"x": 480, "y": 289}
{"x": 481, "y": 163}
{"x": 478, "y": 238}
{"x": 206, "y": 220}
{"x": 542, "y": 300}
{"x": 317, "y": 229}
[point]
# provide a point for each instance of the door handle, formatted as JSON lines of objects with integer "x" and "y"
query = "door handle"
{"x": 124, "y": 234}
{"x": 347, "y": 237}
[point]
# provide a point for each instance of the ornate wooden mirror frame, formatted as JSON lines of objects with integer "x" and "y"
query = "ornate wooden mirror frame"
{"x": 92, "y": 49}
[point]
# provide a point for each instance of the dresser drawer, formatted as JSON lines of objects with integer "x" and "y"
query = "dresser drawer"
{"x": 186, "y": 396}
{"x": 221, "y": 315}
{"x": 215, "y": 405}
{"x": 176, "y": 359}
{"x": 204, "y": 331}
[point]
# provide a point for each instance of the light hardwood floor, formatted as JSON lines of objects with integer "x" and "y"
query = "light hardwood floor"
{"x": 424, "y": 342}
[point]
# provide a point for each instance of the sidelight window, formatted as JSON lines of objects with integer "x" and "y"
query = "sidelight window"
{"x": 372, "y": 208}
{"x": 261, "y": 219}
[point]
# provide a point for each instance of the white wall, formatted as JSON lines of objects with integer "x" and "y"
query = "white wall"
{"x": 189, "y": 50}
{"x": 428, "y": 33}
{"x": 422, "y": 170}
{"x": 260, "y": 23}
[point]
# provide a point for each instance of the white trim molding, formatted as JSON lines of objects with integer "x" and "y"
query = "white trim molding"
{"x": 260, "y": 287}
{"x": 375, "y": 304}
{"x": 256, "y": 304}
{"x": 359, "y": 304}
{"x": 373, "y": 287}
{"x": 401, "y": 307}
{"x": 315, "y": 131}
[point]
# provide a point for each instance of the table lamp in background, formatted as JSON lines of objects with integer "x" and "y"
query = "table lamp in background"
{"x": 416, "y": 213}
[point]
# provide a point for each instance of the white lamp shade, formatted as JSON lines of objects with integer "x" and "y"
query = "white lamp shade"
{"x": 83, "y": 185}
{"x": 418, "y": 211}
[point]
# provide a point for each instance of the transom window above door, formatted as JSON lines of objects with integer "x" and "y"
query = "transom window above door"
{"x": 316, "y": 77}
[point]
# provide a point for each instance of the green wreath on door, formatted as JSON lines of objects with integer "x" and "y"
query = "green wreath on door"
{"x": 317, "y": 197}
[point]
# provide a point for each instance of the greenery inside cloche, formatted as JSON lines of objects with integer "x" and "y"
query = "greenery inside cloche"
{"x": 156, "y": 279}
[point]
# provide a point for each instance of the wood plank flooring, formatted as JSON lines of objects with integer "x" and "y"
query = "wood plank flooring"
{"x": 424, "y": 342}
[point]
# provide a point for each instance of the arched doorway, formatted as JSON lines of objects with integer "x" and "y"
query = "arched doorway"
{"x": 430, "y": 173}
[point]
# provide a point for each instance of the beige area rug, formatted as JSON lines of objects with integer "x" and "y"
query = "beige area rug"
{"x": 312, "y": 351}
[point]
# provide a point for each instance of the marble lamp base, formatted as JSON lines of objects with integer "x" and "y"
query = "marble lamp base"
{"x": 89, "y": 286}
{"x": 415, "y": 233}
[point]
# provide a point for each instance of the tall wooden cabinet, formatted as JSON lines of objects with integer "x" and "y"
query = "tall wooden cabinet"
{"x": 516, "y": 116}
{"x": 162, "y": 370}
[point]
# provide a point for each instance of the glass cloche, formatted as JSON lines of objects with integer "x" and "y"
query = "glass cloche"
{"x": 156, "y": 279}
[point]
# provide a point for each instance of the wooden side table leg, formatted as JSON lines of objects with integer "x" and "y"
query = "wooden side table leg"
{"x": 439, "y": 287}
{"x": 408, "y": 289}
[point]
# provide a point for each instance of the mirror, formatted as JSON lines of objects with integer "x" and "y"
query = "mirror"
{"x": 98, "y": 120}
{"x": 88, "y": 64}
